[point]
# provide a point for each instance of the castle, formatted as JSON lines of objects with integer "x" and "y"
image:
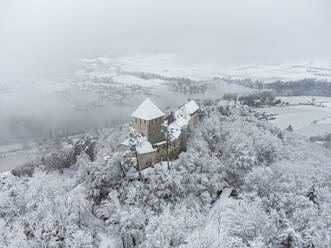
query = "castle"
{"x": 160, "y": 132}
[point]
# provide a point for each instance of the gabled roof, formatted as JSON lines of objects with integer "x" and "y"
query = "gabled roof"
{"x": 191, "y": 107}
{"x": 147, "y": 111}
{"x": 182, "y": 117}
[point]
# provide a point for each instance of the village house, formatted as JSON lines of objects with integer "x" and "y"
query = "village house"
{"x": 154, "y": 126}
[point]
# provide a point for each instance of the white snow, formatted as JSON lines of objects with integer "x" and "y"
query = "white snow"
{"x": 307, "y": 120}
{"x": 147, "y": 111}
{"x": 129, "y": 79}
{"x": 15, "y": 155}
{"x": 176, "y": 127}
{"x": 10, "y": 148}
{"x": 316, "y": 100}
{"x": 182, "y": 117}
{"x": 169, "y": 65}
{"x": 191, "y": 107}
{"x": 163, "y": 165}
{"x": 176, "y": 132}
{"x": 223, "y": 200}
{"x": 107, "y": 242}
{"x": 325, "y": 121}
{"x": 142, "y": 145}
{"x": 160, "y": 143}
{"x": 320, "y": 70}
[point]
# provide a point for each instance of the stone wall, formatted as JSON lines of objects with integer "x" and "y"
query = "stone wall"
{"x": 151, "y": 129}
{"x": 193, "y": 121}
{"x": 141, "y": 126}
{"x": 146, "y": 159}
{"x": 122, "y": 148}
{"x": 155, "y": 130}
{"x": 173, "y": 150}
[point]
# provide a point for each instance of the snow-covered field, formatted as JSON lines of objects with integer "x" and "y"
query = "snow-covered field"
{"x": 14, "y": 155}
{"x": 308, "y": 115}
{"x": 283, "y": 71}
{"x": 172, "y": 65}
{"x": 13, "y": 160}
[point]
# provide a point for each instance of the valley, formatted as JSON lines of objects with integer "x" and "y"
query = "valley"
{"x": 100, "y": 93}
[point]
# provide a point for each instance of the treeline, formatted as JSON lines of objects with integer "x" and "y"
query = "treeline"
{"x": 301, "y": 87}
{"x": 259, "y": 99}
{"x": 307, "y": 86}
{"x": 179, "y": 84}
{"x": 324, "y": 140}
{"x": 246, "y": 82}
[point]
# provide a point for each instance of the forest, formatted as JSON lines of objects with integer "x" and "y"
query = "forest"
{"x": 280, "y": 191}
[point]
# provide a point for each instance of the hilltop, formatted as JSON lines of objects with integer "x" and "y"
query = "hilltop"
{"x": 241, "y": 183}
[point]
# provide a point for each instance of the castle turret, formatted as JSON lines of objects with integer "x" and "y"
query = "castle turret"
{"x": 148, "y": 120}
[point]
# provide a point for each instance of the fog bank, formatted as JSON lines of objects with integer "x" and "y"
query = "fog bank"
{"x": 39, "y": 36}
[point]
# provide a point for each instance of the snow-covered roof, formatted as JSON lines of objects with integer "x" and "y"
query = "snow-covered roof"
{"x": 182, "y": 117}
{"x": 176, "y": 129}
{"x": 191, "y": 107}
{"x": 142, "y": 145}
{"x": 147, "y": 111}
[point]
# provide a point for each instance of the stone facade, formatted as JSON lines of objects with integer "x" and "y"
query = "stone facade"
{"x": 151, "y": 129}
{"x": 146, "y": 159}
{"x": 193, "y": 122}
{"x": 140, "y": 125}
{"x": 123, "y": 148}
{"x": 174, "y": 148}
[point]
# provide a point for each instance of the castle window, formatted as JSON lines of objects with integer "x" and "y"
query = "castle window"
{"x": 144, "y": 121}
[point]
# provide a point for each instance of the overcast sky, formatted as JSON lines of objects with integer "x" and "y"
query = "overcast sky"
{"x": 39, "y": 33}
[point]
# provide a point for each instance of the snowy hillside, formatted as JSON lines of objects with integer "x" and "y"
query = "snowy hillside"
{"x": 241, "y": 183}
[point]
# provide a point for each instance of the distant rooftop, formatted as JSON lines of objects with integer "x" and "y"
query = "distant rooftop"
{"x": 147, "y": 111}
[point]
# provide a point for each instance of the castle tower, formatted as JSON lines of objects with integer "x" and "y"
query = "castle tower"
{"x": 148, "y": 119}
